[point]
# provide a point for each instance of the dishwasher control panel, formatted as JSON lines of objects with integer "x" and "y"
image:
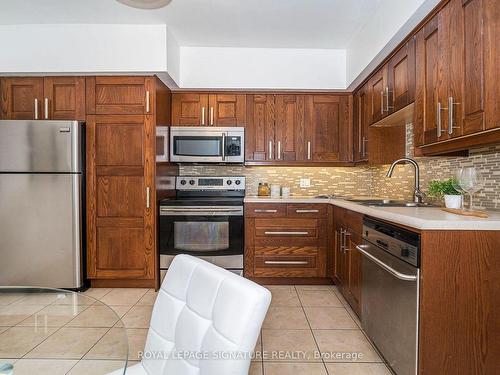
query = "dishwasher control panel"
{"x": 400, "y": 242}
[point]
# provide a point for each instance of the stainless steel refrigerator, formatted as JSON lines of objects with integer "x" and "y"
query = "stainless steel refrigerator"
{"x": 41, "y": 203}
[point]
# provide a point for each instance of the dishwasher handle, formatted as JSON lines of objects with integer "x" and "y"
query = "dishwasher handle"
{"x": 392, "y": 271}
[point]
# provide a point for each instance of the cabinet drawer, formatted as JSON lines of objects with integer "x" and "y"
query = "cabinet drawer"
{"x": 265, "y": 210}
{"x": 286, "y": 250}
{"x": 307, "y": 210}
{"x": 285, "y": 232}
{"x": 285, "y": 261}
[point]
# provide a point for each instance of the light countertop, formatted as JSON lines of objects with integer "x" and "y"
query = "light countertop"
{"x": 424, "y": 218}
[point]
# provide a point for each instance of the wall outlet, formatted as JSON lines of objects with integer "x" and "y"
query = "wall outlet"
{"x": 305, "y": 182}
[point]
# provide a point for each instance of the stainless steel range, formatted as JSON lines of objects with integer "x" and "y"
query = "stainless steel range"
{"x": 205, "y": 219}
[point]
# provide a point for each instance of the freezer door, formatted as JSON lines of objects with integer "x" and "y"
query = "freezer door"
{"x": 41, "y": 146}
{"x": 40, "y": 230}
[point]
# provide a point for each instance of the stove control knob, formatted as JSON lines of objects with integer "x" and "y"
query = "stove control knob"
{"x": 237, "y": 182}
{"x": 183, "y": 182}
{"x": 191, "y": 182}
{"x": 229, "y": 182}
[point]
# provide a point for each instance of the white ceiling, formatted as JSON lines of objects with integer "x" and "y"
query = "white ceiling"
{"x": 221, "y": 23}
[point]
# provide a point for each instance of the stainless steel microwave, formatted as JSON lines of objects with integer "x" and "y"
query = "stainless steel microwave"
{"x": 202, "y": 144}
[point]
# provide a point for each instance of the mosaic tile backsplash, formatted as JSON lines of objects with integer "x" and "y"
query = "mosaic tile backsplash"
{"x": 369, "y": 180}
{"x": 400, "y": 186}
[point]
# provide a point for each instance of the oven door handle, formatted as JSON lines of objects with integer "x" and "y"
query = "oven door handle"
{"x": 201, "y": 211}
{"x": 392, "y": 271}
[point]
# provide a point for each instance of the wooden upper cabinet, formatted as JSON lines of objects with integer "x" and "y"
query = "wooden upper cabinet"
{"x": 189, "y": 109}
{"x": 259, "y": 132}
{"x": 479, "y": 61}
{"x": 431, "y": 83}
{"x": 21, "y": 98}
{"x": 360, "y": 124}
{"x": 289, "y": 127}
{"x": 457, "y": 57}
{"x": 218, "y": 109}
{"x": 377, "y": 90}
{"x": 55, "y": 98}
{"x": 226, "y": 109}
{"x": 327, "y": 135}
{"x": 64, "y": 98}
{"x": 401, "y": 77}
{"x": 119, "y": 95}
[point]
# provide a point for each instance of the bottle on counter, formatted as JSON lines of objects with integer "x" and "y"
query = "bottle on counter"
{"x": 264, "y": 190}
{"x": 285, "y": 191}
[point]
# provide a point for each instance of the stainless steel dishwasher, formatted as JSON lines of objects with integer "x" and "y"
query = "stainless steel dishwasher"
{"x": 390, "y": 288}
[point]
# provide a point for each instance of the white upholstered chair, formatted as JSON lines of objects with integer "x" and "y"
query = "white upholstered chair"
{"x": 202, "y": 309}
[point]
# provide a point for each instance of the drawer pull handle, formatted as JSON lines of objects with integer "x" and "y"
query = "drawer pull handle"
{"x": 266, "y": 211}
{"x": 285, "y": 233}
{"x": 286, "y": 262}
{"x": 306, "y": 211}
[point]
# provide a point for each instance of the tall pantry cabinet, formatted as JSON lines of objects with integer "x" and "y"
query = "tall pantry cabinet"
{"x": 122, "y": 113}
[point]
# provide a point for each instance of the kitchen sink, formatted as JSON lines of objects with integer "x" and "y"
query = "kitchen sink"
{"x": 389, "y": 203}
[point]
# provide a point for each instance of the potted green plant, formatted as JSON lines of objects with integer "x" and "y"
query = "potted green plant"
{"x": 446, "y": 189}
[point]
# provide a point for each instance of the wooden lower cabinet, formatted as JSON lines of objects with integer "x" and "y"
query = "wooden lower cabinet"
{"x": 286, "y": 240}
{"x": 347, "y": 227}
{"x": 459, "y": 322}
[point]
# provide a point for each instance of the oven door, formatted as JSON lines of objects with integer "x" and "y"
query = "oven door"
{"x": 201, "y": 230}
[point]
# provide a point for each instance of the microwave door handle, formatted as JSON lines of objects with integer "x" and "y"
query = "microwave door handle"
{"x": 223, "y": 146}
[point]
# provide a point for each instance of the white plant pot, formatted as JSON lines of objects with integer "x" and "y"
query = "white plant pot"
{"x": 453, "y": 201}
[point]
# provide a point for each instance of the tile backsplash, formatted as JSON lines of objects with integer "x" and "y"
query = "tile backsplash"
{"x": 366, "y": 180}
{"x": 343, "y": 181}
{"x": 400, "y": 186}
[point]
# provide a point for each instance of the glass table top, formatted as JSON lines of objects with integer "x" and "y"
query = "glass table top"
{"x": 60, "y": 331}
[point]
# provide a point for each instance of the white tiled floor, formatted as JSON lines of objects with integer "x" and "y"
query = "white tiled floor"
{"x": 313, "y": 321}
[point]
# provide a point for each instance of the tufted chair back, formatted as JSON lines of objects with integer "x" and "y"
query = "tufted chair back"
{"x": 206, "y": 321}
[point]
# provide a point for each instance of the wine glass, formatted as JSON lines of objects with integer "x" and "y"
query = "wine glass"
{"x": 470, "y": 180}
{"x": 457, "y": 187}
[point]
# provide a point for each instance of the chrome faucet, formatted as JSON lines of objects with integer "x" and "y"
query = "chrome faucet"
{"x": 418, "y": 196}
